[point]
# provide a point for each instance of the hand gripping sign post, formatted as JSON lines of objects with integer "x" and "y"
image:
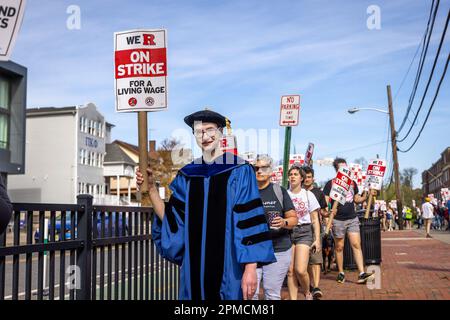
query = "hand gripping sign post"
{"x": 141, "y": 83}
{"x": 11, "y": 15}
{"x": 289, "y": 114}
{"x": 375, "y": 173}
{"x": 339, "y": 189}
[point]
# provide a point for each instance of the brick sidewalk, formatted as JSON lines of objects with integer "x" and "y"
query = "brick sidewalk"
{"x": 413, "y": 268}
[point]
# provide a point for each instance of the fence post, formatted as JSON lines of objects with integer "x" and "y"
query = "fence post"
{"x": 84, "y": 230}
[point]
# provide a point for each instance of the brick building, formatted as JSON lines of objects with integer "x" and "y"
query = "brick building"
{"x": 438, "y": 176}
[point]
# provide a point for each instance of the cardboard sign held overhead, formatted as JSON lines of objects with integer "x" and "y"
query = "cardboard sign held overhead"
{"x": 11, "y": 15}
{"x": 298, "y": 159}
{"x": 341, "y": 185}
{"x": 140, "y": 70}
{"x": 375, "y": 173}
{"x": 290, "y": 110}
{"x": 309, "y": 154}
{"x": 277, "y": 175}
{"x": 229, "y": 144}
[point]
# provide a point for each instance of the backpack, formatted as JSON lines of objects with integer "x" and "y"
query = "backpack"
{"x": 279, "y": 194}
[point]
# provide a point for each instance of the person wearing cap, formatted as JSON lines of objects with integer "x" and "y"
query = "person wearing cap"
{"x": 427, "y": 215}
{"x": 214, "y": 225}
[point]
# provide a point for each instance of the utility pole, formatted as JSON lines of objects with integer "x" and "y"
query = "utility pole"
{"x": 394, "y": 154}
{"x": 287, "y": 147}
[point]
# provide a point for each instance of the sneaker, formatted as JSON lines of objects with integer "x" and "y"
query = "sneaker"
{"x": 363, "y": 278}
{"x": 317, "y": 293}
{"x": 309, "y": 296}
{"x": 340, "y": 278}
{"x": 429, "y": 236}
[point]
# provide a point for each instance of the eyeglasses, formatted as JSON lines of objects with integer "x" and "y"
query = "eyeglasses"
{"x": 264, "y": 169}
{"x": 211, "y": 132}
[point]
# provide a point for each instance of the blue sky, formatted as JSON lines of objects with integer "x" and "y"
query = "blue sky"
{"x": 240, "y": 57}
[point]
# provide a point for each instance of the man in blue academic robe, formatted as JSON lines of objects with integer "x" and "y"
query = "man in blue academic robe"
{"x": 214, "y": 225}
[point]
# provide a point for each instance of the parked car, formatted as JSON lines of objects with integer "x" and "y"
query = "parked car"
{"x": 68, "y": 226}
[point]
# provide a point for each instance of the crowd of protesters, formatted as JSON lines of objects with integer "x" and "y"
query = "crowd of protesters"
{"x": 429, "y": 215}
{"x": 233, "y": 231}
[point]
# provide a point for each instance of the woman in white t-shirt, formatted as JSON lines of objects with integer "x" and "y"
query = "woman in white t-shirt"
{"x": 306, "y": 207}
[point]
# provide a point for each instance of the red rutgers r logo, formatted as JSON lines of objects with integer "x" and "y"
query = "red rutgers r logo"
{"x": 132, "y": 102}
{"x": 149, "y": 39}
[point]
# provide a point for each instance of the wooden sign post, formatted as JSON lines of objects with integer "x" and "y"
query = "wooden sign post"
{"x": 141, "y": 84}
{"x": 143, "y": 157}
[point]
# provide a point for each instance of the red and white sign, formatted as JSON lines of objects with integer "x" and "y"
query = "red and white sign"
{"x": 229, "y": 144}
{"x": 355, "y": 170}
{"x": 11, "y": 16}
{"x": 140, "y": 70}
{"x": 309, "y": 154}
{"x": 290, "y": 110}
{"x": 341, "y": 185}
{"x": 445, "y": 194}
{"x": 277, "y": 175}
{"x": 375, "y": 173}
{"x": 296, "y": 159}
{"x": 362, "y": 182}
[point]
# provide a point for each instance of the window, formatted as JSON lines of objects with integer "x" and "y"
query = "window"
{"x": 81, "y": 156}
{"x": 100, "y": 130}
{"x": 94, "y": 128}
{"x": 4, "y": 112}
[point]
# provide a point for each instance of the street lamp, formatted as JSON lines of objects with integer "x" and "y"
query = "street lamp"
{"x": 390, "y": 112}
{"x": 353, "y": 110}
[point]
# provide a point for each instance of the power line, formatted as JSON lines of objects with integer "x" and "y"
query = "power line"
{"x": 423, "y": 55}
{"x": 353, "y": 149}
{"x": 430, "y": 77}
{"x": 415, "y": 54}
{"x": 431, "y": 106}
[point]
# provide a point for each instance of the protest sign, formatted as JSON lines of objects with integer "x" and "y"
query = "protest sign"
{"x": 11, "y": 16}
{"x": 277, "y": 175}
{"x": 339, "y": 189}
{"x": 341, "y": 185}
{"x": 298, "y": 159}
{"x": 375, "y": 173}
{"x": 229, "y": 144}
{"x": 140, "y": 70}
{"x": 309, "y": 154}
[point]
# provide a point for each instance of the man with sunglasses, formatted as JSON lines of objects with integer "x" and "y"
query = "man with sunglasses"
{"x": 213, "y": 225}
{"x": 281, "y": 217}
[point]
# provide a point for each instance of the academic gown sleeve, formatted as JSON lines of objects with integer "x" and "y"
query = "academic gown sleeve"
{"x": 252, "y": 240}
{"x": 168, "y": 234}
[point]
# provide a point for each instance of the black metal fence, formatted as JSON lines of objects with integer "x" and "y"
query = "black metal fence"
{"x": 91, "y": 252}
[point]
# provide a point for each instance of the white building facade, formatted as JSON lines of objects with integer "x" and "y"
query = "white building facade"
{"x": 64, "y": 155}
